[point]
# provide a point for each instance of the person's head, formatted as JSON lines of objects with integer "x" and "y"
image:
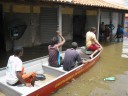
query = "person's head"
{"x": 102, "y": 22}
{"x": 119, "y": 25}
{"x": 93, "y": 29}
{"x": 54, "y": 40}
{"x": 18, "y": 51}
{"x": 74, "y": 45}
{"x": 106, "y": 26}
{"x": 110, "y": 21}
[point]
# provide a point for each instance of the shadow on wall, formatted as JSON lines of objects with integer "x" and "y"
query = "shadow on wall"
{"x": 16, "y": 29}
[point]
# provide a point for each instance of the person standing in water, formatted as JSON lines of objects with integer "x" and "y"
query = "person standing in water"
{"x": 111, "y": 27}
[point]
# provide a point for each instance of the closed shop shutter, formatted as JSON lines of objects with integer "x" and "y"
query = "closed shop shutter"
{"x": 67, "y": 26}
{"x": 48, "y": 24}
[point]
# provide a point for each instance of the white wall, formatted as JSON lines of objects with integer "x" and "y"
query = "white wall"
{"x": 106, "y": 19}
{"x": 115, "y": 20}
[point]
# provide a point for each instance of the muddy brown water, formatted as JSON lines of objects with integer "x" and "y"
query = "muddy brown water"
{"x": 91, "y": 83}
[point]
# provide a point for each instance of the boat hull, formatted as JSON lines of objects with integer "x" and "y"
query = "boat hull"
{"x": 62, "y": 80}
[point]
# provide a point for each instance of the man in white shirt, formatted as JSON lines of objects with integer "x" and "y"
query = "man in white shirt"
{"x": 14, "y": 70}
{"x": 92, "y": 43}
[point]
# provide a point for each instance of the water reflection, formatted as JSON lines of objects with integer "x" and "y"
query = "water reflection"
{"x": 92, "y": 84}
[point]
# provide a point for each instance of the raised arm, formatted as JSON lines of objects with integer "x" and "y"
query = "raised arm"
{"x": 113, "y": 27}
{"x": 62, "y": 40}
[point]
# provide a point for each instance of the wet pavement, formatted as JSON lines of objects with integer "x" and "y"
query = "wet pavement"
{"x": 125, "y": 47}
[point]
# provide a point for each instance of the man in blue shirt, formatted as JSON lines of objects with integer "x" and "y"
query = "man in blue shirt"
{"x": 111, "y": 27}
{"x": 119, "y": 33}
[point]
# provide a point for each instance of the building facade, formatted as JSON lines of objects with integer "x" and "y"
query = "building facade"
{"x": 31, "y": 23}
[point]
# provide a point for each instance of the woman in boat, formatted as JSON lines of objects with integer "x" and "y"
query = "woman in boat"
{"x": 92, "y": 43}
{"x": 15, "y": 70}
{"x": 70, "y": 58}
{"x": 53, "y": 49}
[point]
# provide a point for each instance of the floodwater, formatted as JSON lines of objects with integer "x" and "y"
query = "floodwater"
{"x": 91, "y": 83}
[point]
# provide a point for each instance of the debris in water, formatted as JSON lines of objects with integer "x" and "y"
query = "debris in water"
{"x": 110, "y": 79}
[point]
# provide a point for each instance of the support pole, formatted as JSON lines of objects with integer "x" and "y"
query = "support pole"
{"x": 98, "y": 23}
{"x": 60, "y": 21}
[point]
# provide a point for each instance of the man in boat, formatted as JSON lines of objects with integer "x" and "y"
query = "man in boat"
{"x": 15, "y": 70}
{"x": 54, "y": 56}
{"x": 71, "y": 56}
{"x": 92, "y": 43}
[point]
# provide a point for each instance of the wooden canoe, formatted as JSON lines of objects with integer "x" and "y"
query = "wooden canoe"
{"x": 55, "y": 77}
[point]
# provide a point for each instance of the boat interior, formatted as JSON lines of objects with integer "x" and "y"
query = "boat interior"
{"x": 40, "y": 66}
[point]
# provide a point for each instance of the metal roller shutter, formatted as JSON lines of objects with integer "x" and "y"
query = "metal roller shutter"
{"x": 48, "y": 23}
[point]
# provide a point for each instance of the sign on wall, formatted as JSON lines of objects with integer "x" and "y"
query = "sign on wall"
{"x": 91, "y": 12}
{"x": 67, "y": 10}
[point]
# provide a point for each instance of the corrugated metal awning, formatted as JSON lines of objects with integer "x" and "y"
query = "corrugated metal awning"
{"x": 93, "y": 3}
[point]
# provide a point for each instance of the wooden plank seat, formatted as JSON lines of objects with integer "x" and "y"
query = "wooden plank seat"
{"x": 86, "y": 51}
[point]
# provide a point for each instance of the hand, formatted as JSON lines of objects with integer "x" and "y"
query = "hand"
{"x": 58, "y": 32}
{"x": 28, "y": 85}
{"x": 86, "y": 61}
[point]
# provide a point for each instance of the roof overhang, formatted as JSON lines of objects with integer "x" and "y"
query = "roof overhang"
{"x": 93, "y": 3}
{"x": 88, "y": 3}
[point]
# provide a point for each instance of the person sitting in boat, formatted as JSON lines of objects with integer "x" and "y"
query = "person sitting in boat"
{"x": 70, "y": 58}
{"x": 92, "y": 43}
{"x": 15, "y": 71}
{"x": 54, "y": 56}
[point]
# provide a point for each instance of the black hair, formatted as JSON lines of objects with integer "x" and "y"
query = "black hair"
{"x": 93, "y": 29}
{"x": 17, "y": 50}
{"x": 54, "y": 40}
{"x": 74, "y": 45}
{"x": 119, "y": 25}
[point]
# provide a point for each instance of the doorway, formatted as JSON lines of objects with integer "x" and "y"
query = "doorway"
{"x": 79, "y": 29}
{"x": 2, "y": 40}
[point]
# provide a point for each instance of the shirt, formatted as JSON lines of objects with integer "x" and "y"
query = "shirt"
{"x": 70, "y": 58}
{"x": 14, "y": 64}
{"x": 53, "y": 56}
{"x": 111, "y": 26}
{"x": 89, "y": 36}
